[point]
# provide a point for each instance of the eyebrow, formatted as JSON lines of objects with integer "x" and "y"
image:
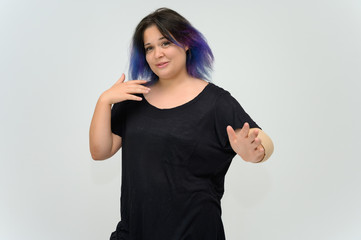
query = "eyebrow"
{"x": 158, "y": 40}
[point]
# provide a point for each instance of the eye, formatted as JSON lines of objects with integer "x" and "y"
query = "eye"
{"x": 166, "y": 43}
{"x": 148, "y": 49}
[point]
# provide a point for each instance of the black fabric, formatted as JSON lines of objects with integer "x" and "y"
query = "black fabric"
{"x": 173, "y": 166}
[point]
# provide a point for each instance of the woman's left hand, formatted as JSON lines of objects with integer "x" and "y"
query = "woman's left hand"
{"x": 246, "y": 144}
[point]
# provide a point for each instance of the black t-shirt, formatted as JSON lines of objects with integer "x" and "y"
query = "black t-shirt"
{"x": 173, "y": 165}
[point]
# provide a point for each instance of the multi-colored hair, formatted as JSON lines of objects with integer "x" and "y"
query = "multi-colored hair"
{"x": 174, "y": 27}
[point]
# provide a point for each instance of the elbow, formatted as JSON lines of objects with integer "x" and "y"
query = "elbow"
{"x": 97, "y": 158}
{"x": 98, "y": 155}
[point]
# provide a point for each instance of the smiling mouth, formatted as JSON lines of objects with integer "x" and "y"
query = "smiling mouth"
{"x": 163, "y": 64}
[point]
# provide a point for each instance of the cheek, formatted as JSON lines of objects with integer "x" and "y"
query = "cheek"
{"x": 182, "y": 54}
{"x": 149, "y": 61}
{"x": 147, "y": 58}
{"x": 177, "y": 54}
{"x": 183, "y": 57}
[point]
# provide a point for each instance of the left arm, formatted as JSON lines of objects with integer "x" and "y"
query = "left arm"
{"x": 253, "y": 145}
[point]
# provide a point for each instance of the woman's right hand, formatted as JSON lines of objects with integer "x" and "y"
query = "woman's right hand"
{"x": 122, "y": 91}
{"x": 103, "y": 143}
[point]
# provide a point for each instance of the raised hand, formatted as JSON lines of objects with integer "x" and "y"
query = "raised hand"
{"x": 245, "y": 143}
{"x": 122, "y": 91}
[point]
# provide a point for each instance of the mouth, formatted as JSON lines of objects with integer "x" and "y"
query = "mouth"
{"x": 162, "y": 64}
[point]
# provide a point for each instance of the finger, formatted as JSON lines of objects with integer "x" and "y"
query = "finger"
{"x": 261, "y": 152}
{"x": 121, "y": 79}
{"x": 252, "y": 135}
{"x": 245, "y": 130}
{"x": 256, "y": 143}
{"x": 137, "y": 82}
{"x": 133, "y": 97}
{"x": 137, "y": 89}
{"x": 231, "y": 133}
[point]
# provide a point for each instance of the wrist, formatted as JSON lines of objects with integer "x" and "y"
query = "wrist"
{"x": 104, "y": 99}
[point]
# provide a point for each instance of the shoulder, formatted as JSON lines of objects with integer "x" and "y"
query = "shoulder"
{"x": 222, "y": 96}
{"x": 217, "y": 91}
{"x": 125, "y": 105}
{"x": 120, "y": 105}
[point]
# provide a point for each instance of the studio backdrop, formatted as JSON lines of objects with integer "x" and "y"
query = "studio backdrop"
{"x": 293, "y": 65}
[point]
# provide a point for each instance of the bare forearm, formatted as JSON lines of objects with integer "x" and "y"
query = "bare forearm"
{"x": 100, "y": 135}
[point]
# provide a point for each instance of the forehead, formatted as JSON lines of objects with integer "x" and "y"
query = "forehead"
{"x": 151, "y": 35}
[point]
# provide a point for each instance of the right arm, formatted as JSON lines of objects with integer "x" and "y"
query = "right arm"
{"x": 102, "y": 142}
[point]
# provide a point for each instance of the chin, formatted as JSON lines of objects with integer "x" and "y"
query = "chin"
{"x": 167, "y": 73}
{"x": 164, "y": 75}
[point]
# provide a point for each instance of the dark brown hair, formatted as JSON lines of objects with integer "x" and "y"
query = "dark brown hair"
{"x": 178, "y": 30}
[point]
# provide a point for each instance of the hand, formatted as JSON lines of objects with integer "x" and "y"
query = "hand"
{"x": 122, "y": 91}
{"x": 246, "y": 143}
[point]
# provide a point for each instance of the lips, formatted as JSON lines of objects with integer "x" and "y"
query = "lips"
{"x": 162, "y": 64}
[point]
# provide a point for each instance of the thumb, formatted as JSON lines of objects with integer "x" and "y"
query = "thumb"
{"x": 231, "y": 133}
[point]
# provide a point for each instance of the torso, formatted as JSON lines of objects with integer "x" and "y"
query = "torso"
{"x": 174, "y": 162}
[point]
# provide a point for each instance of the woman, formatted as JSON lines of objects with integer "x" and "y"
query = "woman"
{"x": 178, "y": 134}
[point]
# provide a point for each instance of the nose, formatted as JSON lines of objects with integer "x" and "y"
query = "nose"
{"x": 158, "y": 52}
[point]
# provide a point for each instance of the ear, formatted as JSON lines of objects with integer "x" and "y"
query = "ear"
{"x": 186, "y": 48}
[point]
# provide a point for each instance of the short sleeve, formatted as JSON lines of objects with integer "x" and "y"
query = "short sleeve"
{"x": 117, "y": 118}
{"x": 228, "y": 111}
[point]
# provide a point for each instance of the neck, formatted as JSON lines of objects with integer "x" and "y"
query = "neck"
{"x": 173, "y": 83}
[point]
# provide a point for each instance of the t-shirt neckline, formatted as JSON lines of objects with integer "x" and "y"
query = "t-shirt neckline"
{"x": 195, "y": 99}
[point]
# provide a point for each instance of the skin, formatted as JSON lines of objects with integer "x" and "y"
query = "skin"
{"x": 158, "y": 49}
{"x": 174, "y": 87}
{"x": 246, "y": 143}
{"x": 102, "y": 142}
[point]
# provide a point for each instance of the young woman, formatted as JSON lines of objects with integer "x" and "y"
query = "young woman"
{"x": 178, "y": 133}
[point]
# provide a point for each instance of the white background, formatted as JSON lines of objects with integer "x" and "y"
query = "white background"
{"x": 295, "y": 66}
